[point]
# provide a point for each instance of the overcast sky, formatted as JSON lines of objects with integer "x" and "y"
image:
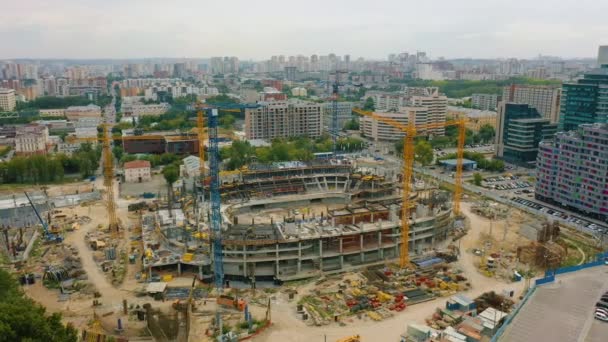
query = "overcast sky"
{"x": 258, "y": 29}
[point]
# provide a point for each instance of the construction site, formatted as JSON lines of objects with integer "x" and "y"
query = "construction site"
{"x": 286, "y": 251}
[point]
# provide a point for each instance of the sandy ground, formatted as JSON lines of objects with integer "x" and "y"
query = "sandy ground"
{"x": 287, "y": 327}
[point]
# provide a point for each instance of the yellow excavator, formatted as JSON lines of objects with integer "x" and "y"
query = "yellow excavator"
{"x": 354, "y": 338}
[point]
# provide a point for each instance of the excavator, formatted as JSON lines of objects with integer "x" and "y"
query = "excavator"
{"x": 353, "y": 338}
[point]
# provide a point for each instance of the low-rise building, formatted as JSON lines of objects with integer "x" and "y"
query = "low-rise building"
{"x": 137, "y": 171}
{"x": 140, "y": 109}
{"x": 52, "y": 112}
{"x": 75, "y": 113}
{"x": 31, "y": 139}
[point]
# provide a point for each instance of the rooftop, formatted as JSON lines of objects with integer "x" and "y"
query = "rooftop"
{"x": 137, "y": 164}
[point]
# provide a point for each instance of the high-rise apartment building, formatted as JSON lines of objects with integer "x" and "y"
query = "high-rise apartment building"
{"x": 283, "y": 119}
{"x": 290, "y": 73}
{"x": 485, "y": 101}
{"x": 7, "y": 100}
{"x": 345, "y": 114}
{"x": 520, "y": 128}
{"x": 585, "y": 101}
{"x": 437, "y": 105}
{"x": 380, "y": 131}
{"x": 545, "y": 99}
{"x": 602, "y": 55}
{"x": 572, "y": 170}
{"x": 387, "y": 100}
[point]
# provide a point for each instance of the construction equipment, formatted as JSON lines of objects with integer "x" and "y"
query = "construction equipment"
{"x": 48, "y": 235}
{"x": 353, "y": 338}
{"x": 410, "y": 131}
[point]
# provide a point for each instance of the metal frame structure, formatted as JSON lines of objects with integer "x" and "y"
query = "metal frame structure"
{"x": 408, "y": 169}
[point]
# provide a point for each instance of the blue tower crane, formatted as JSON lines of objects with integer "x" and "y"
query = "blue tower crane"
{"x": 214, "y": 189}
{"x": 48, "y": 236}
{"x": 214, "y": 186}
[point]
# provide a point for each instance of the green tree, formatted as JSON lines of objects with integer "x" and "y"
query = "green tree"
{"x": 118, "y": 152}
{"x": 227, "y": 121}
{"x": 369, "y": 105}
{"x": 23, "y": 320}
{"x": 171, "y": 174}
{"x": 423, "y": 152}
{"x": 351, "y": 125}
{"x": 477, "y": 178}
{"x": 486, "y": 133}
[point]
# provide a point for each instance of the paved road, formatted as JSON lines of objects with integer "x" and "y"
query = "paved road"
{"x": 563, "y": 311}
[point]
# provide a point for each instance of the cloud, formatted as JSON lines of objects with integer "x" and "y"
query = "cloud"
{"x": 248, "y": 29}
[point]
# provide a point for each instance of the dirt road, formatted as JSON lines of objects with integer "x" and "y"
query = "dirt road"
{"x": 96, "y": 276}
{"x": 287, "y": 327}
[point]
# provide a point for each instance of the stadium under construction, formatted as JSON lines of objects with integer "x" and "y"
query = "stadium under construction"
{"x": 294, "y": 220}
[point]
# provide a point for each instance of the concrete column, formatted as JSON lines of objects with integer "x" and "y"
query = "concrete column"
{"x": 276, "y": 257}
{"x": 361, "y": 248}
{"x": 341, "y": 255}
{"x": 299, "y": 256}
{"x": 245, "y": 261}
{"x": 321, "y": 254}
{"x": 380, "y": 250}
{"x": 179, "y": 268}
{"x": 200, "y": 272}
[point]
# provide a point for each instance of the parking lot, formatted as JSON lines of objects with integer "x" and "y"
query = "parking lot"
{"x": 558, "y": 214}
{"x": 563, "y": 311}
{"x": 508, "y": 183}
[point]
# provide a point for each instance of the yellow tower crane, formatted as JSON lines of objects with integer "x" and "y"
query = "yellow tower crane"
{"x": 108, "y": 167}
{"x": 410, "y": 131}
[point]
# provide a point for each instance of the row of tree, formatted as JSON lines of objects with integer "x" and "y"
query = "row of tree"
{"x": 301, "y": 148}
{"x": 41, "y": 169}
{"x": 21, "y": 319}
{"x": 462, "y": 88}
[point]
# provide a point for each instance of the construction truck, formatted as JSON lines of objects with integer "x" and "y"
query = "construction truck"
{"x": 230, "y": 302}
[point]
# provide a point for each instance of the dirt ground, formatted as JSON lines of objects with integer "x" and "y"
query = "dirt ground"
{"x": 287, "y": 327}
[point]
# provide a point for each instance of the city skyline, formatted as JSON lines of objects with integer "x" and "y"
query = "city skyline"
{"x": 189, "y": 29}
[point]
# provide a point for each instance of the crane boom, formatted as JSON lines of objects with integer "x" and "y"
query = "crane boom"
{"x": 410, "y": 131}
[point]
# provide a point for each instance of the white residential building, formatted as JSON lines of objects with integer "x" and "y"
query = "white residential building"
{"x": 437, "y": 106}
{"x": 31, "y": 139}
{"x": 380, "y": 131}
{"x": 7, "y": 100}
{"x": 386, "y": 100}
{"x": 345, "y": 114}
{"x": 137, "y": 171}
{"x": 485, "y": 101}
{"x": 283, "y": 119}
